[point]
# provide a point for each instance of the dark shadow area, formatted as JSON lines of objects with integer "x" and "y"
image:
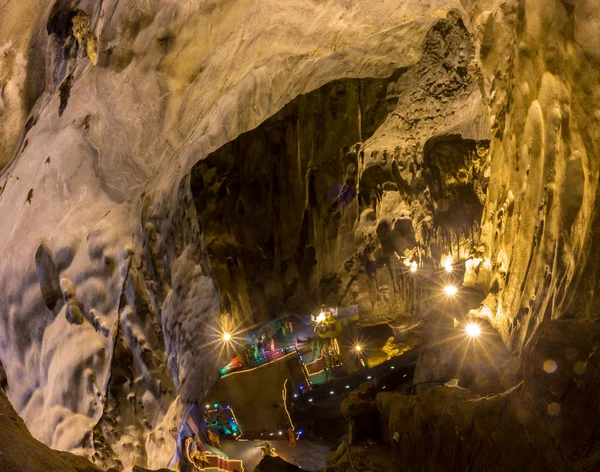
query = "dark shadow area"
{"x": 270, "y": 201}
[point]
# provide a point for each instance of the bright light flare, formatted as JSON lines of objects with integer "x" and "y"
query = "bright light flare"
{"x": 321, "y": 317}
{"x": 226, "y": 337}
{"x": 473, "y": 330}
{"x": 447, "y": 263}
{"x": 358, "y": 348}
{"x": 450, "y": 290}
{"x": 413, "y": 267}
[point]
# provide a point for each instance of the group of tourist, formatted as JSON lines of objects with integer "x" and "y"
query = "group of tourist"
{"x": 264, "y": 342}
{"x": 328, "y": 354}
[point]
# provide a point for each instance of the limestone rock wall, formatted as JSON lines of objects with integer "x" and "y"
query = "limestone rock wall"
{"x": 109, "y": 300}
{"x": 108, "y": 307}
{"x": 328, "y": 200}
{"x": 539, "y": 221}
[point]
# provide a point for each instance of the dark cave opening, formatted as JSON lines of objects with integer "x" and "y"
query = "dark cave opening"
{"x": 261, "y": 198}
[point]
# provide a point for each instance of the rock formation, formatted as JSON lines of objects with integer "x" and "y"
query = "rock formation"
{"x": 172, "y": 168}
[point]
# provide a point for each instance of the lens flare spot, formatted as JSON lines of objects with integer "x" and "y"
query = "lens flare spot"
{"x": 579, "y": 367}
{"x": 554, "y": 409}
{"x": 550, "y": 366}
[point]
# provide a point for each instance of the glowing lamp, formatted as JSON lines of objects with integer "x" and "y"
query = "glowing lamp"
{"x": 358, "y": 348}
{"x": 226, "y": 337}
{"x": 450, "y": 290}
{"x": 473, "y": 330}
{"x": 321, "y": 317}
{"x": 413, "y": 267}
{"x": 447, "y": 264}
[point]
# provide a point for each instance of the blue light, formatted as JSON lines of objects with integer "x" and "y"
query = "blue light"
{"x": 299, "y": 432}
{"x": 228, "y": 407}
{"x": 216, "y": 405}
{"x": 301, "y": 387}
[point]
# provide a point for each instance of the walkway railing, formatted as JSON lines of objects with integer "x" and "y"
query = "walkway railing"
{"x": 412, "y": 390}
{"x": 268, "y": 357}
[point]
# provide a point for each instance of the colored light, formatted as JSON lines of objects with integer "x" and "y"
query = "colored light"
{"x": 473, "y": 330}
{"x": 301, "y": 387}
{"x": 300, "y": 432}
{"x": 450, "y": 290}
{"x": 216, "y": 405}
{"x": 358, "y": 347}
{"x": 228, "y": 407}
{"x": 226, "y": 337}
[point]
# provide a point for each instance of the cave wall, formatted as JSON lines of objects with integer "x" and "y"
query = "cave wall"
{"x": 539, "y": 221}
{"x": 107, "y": 292}
{"x": 106, "y": 296}
{"x": 328, "y": 200}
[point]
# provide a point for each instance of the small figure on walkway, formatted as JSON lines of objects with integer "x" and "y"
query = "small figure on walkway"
{"x": 272, "y": 343}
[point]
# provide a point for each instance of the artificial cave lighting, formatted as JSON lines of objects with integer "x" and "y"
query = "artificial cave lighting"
{"x": 321, "y": 317}
{"x": 450, "y": 290}
{"x": 447, "y": 264}
{"x": 226, "y": 337}
{"x": 473, "y": 330}
{"x": 413, "y": 267}
{"x": 358, "y": 348}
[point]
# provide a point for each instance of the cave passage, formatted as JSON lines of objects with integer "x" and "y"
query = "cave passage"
{"x": 270, "y": 202}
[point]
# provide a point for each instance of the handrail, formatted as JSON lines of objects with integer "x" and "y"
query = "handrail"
{"x": 412, "y": 390}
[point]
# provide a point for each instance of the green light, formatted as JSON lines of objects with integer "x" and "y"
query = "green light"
{"x": 216, "y": 405}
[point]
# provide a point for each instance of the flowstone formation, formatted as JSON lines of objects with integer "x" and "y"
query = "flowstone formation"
{"x": 172, "y": 168}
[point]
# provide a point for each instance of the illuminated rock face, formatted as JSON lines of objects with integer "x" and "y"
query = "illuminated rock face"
{"x": 325, "y": 201}
{"x": 113, "y": 254}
